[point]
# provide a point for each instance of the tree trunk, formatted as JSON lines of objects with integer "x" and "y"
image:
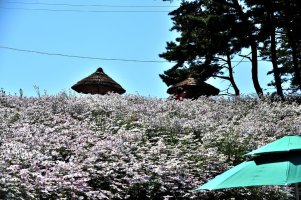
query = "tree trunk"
{"x": 275, "y": 66}
{"x": 253, "y": 45}
{"x": 274, "y": 57}
{"x": 295, "y": 64}
{"x": 292, "y": 43}
{"x": 256, "y": 84}
{"x": 231, "y": 78}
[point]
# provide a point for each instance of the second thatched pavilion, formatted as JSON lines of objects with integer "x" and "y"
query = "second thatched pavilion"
{"x": 194, "y": 88}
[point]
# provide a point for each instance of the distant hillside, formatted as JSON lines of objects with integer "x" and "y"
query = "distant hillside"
{"x": 131, "y": 147}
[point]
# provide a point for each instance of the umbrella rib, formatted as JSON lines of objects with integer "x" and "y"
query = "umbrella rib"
{"x": 287, "y": 172}
{"x": 288, "y": 163}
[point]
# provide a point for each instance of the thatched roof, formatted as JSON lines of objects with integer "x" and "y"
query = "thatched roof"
{"x": 194, "y": 88}
{"x": 98, "y": 83}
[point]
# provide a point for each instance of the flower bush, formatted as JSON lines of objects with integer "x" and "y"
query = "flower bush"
{"x": 133, "y": 147}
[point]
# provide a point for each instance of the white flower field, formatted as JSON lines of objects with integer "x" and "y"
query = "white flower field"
{"x": 133, "y": 147}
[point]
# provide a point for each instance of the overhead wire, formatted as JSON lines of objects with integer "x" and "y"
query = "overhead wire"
{"x": 81, "y": 57}
{"x": 83, "y": 11}
{"x": 84, "y": 7}
{"x": 95, "y": 11}
{"x": 89, "y": 5}
{"x": 94, "y": 58}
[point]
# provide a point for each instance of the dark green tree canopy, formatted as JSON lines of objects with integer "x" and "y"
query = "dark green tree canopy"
{"x": 212, "y": 32}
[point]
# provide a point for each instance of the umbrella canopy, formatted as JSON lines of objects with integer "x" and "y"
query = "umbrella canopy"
{"x": 260, "y": 171}
{"x": 277, "y": 163}
{"x": 285, "y": 144}
{"x": 98, "y": 83}
{"x": 194, "y": 88}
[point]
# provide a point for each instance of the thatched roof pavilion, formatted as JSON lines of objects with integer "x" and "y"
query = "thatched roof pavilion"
{"x": 194, "y": 88}
{"x": 98, "y": 83}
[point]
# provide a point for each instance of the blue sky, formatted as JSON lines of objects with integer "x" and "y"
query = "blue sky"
{"x": 87, "y": 31}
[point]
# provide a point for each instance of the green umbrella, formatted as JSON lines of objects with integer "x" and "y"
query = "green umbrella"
{"x": 285, "y": 144}
{"x": 278, "y": 163}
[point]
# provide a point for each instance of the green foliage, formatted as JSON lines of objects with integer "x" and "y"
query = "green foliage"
{"x": 212, "y": 30}
{"x": 132, "y": 147}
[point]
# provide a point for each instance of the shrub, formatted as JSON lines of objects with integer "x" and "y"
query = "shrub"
{"x": 132, "y": 147}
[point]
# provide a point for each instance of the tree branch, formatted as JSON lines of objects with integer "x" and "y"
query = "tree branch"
{"x": 246, "y": 56}
{"x": 222, "y": 77}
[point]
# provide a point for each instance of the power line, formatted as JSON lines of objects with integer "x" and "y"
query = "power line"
{"x": 91, "y": 11}
{"x": 81, "y": 57}
{"x": 98, "y": 58}
{"x": 88, "y": 5}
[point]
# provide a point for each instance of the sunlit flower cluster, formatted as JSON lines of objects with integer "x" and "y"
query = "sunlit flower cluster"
{"x": 133, "y": 147}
